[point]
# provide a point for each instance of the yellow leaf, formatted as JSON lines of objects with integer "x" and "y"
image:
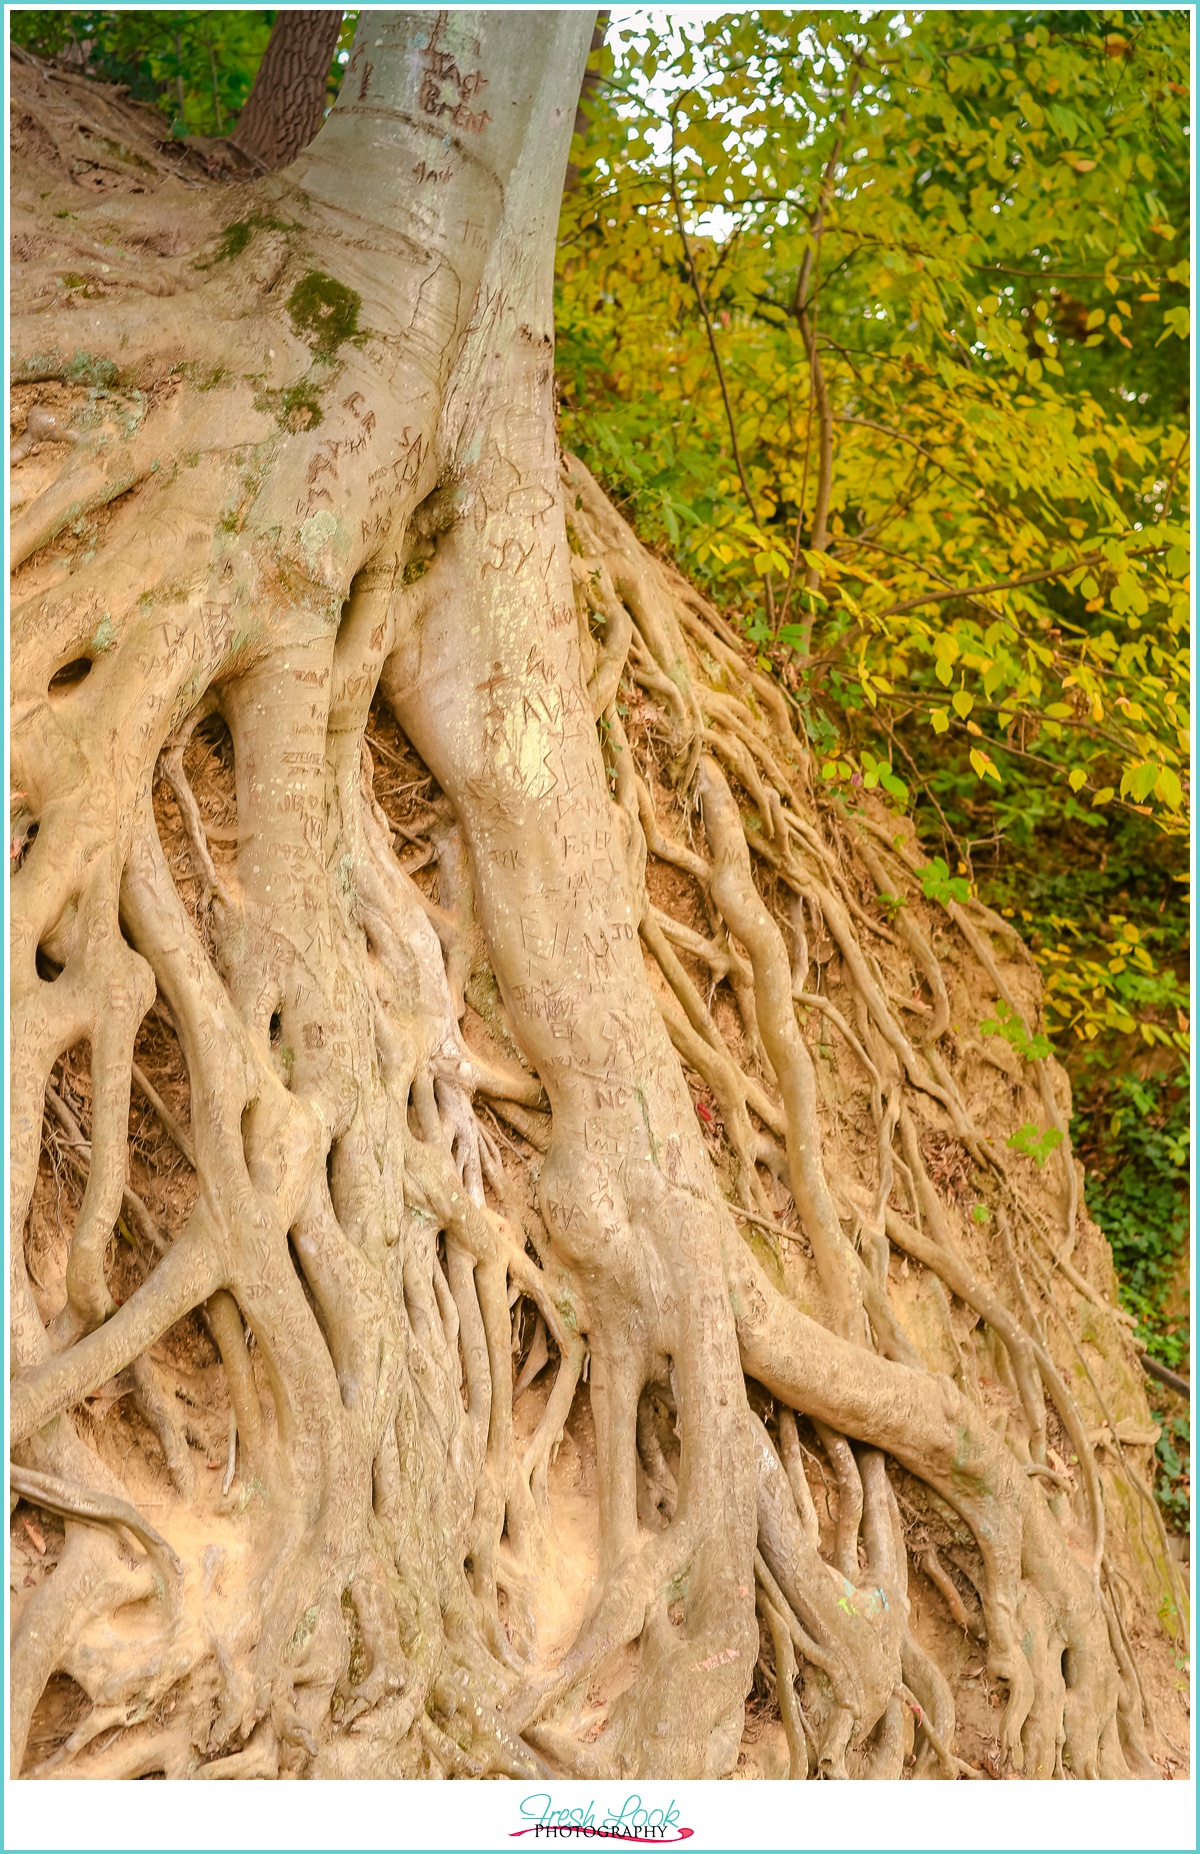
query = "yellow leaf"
{"x": 940, "y": 719}
{"x": 1076, "y": 778}
{"x": 962, "y": 702}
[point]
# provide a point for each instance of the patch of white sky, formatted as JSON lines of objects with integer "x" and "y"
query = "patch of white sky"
{"x": 681, "y": 28}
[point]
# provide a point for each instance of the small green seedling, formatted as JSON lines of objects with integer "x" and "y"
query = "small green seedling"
{"x": 1035, "y": 1146}
{"x": 937, "y": 884}
{"x": 1006, "y": 1023}
{"x": 879, "y": 772}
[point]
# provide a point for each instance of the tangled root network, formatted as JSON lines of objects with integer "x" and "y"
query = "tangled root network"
{"x": 518, "y": 1266}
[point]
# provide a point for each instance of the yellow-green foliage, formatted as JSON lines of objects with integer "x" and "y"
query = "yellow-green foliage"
{"x": 929, "y": 268}
{"x": 981, "y": 216}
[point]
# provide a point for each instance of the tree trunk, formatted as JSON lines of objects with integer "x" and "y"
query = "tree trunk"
{"x": 598, "y": 1273}
{"x": 287, "y": 99}
{"x": 587, "y": 90}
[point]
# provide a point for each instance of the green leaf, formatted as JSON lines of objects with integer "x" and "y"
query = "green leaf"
{"x": 1178, "y": 322}
{"x": 937, "y": 884}
{"x": 1006, "y": 1023}
{"x": 1168, "y": 788}
{"x": 1037, "y": 1147}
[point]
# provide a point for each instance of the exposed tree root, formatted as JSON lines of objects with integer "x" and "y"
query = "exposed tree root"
{"x": 538, "y": 1031}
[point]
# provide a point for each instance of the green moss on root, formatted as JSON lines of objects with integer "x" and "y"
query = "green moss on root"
{"x": 324, "y": 312}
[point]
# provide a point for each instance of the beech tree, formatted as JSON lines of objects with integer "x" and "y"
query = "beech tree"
{"x": 474, "y": 1087}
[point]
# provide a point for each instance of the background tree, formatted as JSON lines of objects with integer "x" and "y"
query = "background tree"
{"x": 464, "y": 1046}
{"x": 287, "y": 103}
{"x": 196, "y": 67}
